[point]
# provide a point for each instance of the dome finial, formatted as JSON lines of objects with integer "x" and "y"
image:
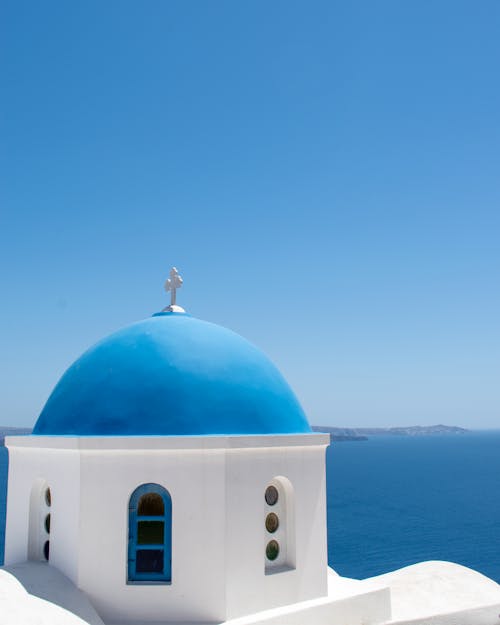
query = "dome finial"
{"x": 172, "y": 284}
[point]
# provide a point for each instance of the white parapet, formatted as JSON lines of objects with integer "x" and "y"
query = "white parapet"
{"x": 36, "y": 593}
{"x": 442, "y": 593}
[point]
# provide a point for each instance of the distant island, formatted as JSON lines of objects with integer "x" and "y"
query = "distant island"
{"x": 362, "y": 434}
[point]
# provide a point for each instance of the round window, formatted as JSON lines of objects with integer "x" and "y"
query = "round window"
{"x": 46, "y": 550}
{"x": 272, "y": 522}
{"x": 271, "y": 495}
{"x": 272, "y": 550}
{"x": 48, "y": 497}
{"x": 47, "y": 523}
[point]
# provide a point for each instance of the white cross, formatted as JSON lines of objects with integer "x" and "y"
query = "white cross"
{"x": 172, "y": 284}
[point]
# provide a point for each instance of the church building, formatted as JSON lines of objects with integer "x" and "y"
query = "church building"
{"x": 172, "y": 476}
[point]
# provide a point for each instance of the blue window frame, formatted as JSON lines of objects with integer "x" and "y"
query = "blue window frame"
{"x": 150, "y": 534}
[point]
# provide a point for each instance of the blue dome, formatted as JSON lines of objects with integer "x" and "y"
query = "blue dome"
{"x": 172, "y": 375}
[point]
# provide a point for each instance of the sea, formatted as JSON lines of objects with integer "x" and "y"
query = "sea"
{"x": 396, "y": 500}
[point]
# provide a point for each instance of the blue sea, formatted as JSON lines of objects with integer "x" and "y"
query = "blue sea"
{"x": 396, "y": 500}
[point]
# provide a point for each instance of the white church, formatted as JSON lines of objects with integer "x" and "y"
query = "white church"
{"x": 172, "y": 477}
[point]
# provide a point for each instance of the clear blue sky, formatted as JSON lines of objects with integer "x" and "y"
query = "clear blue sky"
{"x": 325, "y": 176}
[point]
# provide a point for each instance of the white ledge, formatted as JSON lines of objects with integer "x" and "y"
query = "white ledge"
{"x": 113, "y": 443}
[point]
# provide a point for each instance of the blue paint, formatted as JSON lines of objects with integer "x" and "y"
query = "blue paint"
{"x": 172, "y": 374}
{"x": 165, "y": 547}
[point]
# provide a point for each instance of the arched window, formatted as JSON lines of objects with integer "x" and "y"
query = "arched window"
{"x": 279, "y": 525}
{"x": 150, "y": 534}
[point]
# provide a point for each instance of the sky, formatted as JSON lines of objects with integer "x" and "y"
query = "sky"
{"x": 325, "y": 176}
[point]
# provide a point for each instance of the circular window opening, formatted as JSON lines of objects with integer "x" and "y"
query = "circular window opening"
{"x": 272, "y": 550}
{"x": 46, "y": 550}
{"x": 47, "y": 523}
{"x": 48, "y": 497}
{"x": 271, "y": 495}
{"x": 272, "y": 522}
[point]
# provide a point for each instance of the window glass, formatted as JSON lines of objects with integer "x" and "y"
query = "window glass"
{"x": 151, "y": 504}
{"x": 272, "y": 522}
{"x": 272, "y": 550}
{"x": 271, "y": 495}
{"x": 149, "y": 561}
{"x": 150, "y": 532}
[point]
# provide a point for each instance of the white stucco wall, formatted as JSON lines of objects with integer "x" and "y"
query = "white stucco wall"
{"x": 60, "y": 469}
{"x": 248, "y": 472}
{"x": 195, "y": 481}
{"x": 217, "y": 486}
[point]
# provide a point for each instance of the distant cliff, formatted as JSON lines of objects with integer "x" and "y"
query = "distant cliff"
{"x": 357, "y": 434}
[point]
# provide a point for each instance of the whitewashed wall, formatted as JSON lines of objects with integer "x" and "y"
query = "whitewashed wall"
{"x": 59, "y": 468}
{"x": 248, "y": 472}
{"x": 217, "y": 486}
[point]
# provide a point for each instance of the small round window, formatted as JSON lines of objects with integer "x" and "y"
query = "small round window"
{"x": 48, "y": 497}
{"x": 271, "y": 495}
{"x": 272, "y": 550}
{"x": 46, "y": 550}
{"x": 47, "y": 523}
{"x": 272, "y": 522}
